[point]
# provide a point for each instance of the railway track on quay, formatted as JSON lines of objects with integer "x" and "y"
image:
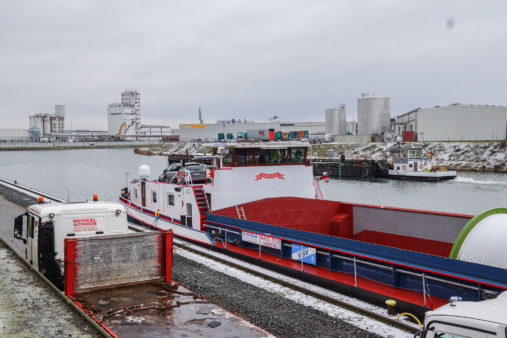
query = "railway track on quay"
{"x": 353, "y": 312}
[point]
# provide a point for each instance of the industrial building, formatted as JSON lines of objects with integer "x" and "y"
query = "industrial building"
{"x": 47, "y": 126}
{"x": 13, "y": 135}
{"x": 125, "y": 118}
{"x": 210, "y": 131}
{"x": 455, "y": 122}
{"x": 132, "y": 99}
{"x": 119, "y": 116}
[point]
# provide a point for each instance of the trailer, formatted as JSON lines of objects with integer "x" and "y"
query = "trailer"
{"x": 122, "y": 280}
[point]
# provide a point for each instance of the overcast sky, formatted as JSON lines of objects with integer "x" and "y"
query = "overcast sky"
{"x": 246, "y": 59}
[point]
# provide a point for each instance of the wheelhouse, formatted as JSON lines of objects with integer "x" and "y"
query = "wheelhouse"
{"x": 281, "y": 153}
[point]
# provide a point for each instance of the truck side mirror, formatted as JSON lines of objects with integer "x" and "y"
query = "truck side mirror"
{"x": 18, "y": 228}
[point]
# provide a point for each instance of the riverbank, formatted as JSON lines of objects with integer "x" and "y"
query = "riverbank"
{"x": 16, "y": 146}
{"x": 460, "y": 156}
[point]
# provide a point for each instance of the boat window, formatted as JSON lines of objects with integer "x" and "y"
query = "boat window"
{"x": 154, "y": 197}
{"x": 227, "y": 158}
{"x": 170, "y": 199}
{"x": 135, "y": 193}
{"x": 297, "y": 155}
{"x": 395, "y": 153}
{"x": 279, "y": 156}
{"x": 405, "y": 153}
{"x": 244, "y": 156}
{"x": 263, "y": 156}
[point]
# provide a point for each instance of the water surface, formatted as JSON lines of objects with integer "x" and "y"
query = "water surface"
{"x": 78, "y": 174}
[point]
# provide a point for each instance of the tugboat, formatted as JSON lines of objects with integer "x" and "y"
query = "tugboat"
{"x": 409, "y": 164}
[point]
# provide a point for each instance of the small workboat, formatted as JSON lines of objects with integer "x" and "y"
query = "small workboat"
{"x": 408, "y": 163}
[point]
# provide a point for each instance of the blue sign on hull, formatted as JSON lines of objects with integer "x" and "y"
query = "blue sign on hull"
{"x": 307, "y": 254}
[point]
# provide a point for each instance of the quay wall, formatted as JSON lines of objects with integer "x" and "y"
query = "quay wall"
{"x": 74, "y": 145}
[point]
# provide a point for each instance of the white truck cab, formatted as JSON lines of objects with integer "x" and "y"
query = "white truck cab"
{"x": 487, "y": 318}
{"x": 47, "y": 225}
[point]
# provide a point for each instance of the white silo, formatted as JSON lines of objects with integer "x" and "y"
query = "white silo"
{"x": 336, "y": 121}
{"x": 373, "y": 114}
{"x": 46, "y": 123}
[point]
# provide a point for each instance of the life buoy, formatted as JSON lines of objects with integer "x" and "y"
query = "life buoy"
{"x": 180, "y": 175}
{"x": 404, "y": 167}
{"x": 421, "y": 166}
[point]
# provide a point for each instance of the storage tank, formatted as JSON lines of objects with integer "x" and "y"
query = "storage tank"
{"x": 336, "y": 121}
{"x": 46, "y": 129}
{"x": 373, "y": 114}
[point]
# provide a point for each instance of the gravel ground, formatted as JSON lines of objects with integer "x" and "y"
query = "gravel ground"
{"x": 274, "y": 313}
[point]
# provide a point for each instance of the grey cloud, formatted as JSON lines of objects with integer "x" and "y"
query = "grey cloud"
{"x": 250, "y": 59}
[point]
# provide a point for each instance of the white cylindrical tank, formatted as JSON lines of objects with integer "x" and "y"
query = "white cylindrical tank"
{"x": 483, "y": 239}
{"x": 46, "y": 129}
{"x": 373, "y": 114}
{"x": 336, "y": 121}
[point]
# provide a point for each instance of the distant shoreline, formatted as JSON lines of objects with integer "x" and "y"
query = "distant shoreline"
{"x": 72, "y": 146}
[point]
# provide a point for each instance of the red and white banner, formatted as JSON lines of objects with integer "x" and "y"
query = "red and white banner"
{"x": 270, "y": 176}
{"x": 268, "y": 241}
{"x": 84, "y": 224}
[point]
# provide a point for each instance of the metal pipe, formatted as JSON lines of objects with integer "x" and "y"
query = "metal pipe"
{"x": 355, "y": 273}
{"x": 415, "y": 274}
{"x": 424, "y": 289}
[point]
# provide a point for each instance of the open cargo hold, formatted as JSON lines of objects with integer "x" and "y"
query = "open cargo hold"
{"x": 387, "y": 252}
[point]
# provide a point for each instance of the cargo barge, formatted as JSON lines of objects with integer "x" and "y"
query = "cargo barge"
{"x": 405, "y": 163}
{"x": 261, "y": 201}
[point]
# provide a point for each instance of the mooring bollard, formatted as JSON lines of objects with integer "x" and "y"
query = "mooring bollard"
{"x": 391, "y": 307}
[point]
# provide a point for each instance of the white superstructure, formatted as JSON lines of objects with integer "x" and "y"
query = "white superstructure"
{"x": 241, "y": 173}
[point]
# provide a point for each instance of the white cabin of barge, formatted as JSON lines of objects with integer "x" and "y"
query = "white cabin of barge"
{"x": 241, "y": 173}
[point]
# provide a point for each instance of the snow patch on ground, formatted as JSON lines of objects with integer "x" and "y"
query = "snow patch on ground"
{"x": 466, "y": 156}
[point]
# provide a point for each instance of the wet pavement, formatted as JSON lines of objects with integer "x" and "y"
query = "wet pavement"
{"x": 158, "y": 311}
